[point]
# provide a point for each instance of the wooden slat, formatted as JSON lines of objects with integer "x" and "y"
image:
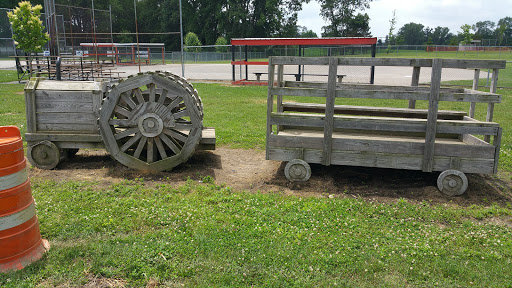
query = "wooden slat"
{"x": 71, "y": 85}
{"x": 59, "y": 106}
{"x": 66, "y": 118}
{"x": 365, "y": 142}
{"x": 414, "y": 83}
{"x": 490, "y": 106}
{"x": 70, "y": 128}
{"x": 383, "y": 160}
{"x": 63, "y": 137}
{"x": 270, "y": 102}
{"x": 65, "y": 96}
{"x": 385, "y": 124}
{"x": 408, "y": 62}
{"x": 329, "y": 112}
{"x": 497, "y": 146}
{"x": 372, "y": 111}
{"x": 433, "y": 107}
{"x": 472, "y": 106}
{"x": 387, "y": 94}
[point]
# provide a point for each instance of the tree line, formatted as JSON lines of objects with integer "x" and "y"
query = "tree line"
{"x": 211, "y": 19}
{"x": 494, "y": 34}
{"x": 214, "y": 20}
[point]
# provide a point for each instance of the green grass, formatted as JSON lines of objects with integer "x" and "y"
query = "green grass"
{"x": 139, "y": 232}
{"x": 206, "y": 235}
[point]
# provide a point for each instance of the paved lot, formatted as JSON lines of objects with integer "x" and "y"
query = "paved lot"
{"x": 223, "y": 72}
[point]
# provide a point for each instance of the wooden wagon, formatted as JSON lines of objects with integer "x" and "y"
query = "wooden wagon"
{"x": 152, "y": 121}
{"x": 325, "y": 132}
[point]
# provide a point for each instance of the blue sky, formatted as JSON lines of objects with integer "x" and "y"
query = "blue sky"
{"x": 432, "y": 13}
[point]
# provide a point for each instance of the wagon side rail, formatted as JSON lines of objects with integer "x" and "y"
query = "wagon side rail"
{"x": 332, "y": 139}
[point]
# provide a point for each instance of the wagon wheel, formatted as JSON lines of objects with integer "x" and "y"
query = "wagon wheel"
{"x": 44, "y": 155}
{"x": 452, "y": 182}
{"x": 152, "y": 121}
{"x": 297, "y": 170}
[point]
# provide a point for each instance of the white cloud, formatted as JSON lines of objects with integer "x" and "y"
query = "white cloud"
{"x": 431, "y": 13}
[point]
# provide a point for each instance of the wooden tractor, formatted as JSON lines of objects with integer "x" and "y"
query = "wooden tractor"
{"x": 152, "y": 121}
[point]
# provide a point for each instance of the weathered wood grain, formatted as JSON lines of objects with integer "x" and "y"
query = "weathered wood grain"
{"x": 433, "y": 107}
{"x": 329, "y": 112}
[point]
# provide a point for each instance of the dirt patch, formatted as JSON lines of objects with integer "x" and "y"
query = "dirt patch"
{"x": 248, "y": 170}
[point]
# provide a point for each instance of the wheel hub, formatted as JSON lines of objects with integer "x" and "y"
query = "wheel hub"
{"x": 151, "y": 125}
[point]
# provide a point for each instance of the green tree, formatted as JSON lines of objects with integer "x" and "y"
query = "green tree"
{"x": 504, "y": 32}
{"x": 412, "y": 33}
{"x": 221, "y": 41}
{"x": 441, "y": 35}
{"x": 466, "y": 34}
{"x": 191, "y": 39}
{"x": 27, "y": 29}
{"x": 358, "y": 26}
{"x": 392, "y": 26}
{"x": 339, "y": 14}
{"x": 305, "y": 32}
{"x": 484, "y": 29}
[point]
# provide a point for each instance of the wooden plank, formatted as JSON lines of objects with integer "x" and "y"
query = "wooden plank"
{"x": 329, "y": 111}
{"x": 383, "y": 160}
{"x": 64, "y": 96}
{"x": 80, "y": 145}
{"x": 472, "y": 140}
{"x": 414, "y": 83}
{"x": 30, "y": 111}
{"x": 280, "y": 77}
{"x": 387, "y": 94}
{"x": 385, "y": 124}
{"x": 380, "y": 144}
{"x": 71, "y": 85}
{"x": 408, "y": 62}
{"x": 66, "y": 118}
{"x": 61, "y": 106}
{"x": 372, "y": 111}
{"x": 63, "y": 137}
{"x": 433, "y": 107}
{"x": 497, "y": 146}
{"x": 74, "y": 128}
{"x": 472, "y": 106}
{"x": 270, "y": 102}
{"x": 490, "y": 106}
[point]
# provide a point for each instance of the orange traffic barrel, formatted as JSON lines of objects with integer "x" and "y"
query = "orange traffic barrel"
{"x": 20, "y": 238}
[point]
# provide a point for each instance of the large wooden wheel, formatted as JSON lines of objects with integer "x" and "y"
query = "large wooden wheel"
{"x": 152, "y": 121}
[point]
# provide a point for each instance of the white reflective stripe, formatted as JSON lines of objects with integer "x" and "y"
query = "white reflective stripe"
{"x": 18, "y": 218}
{"x": 13, "y": 180}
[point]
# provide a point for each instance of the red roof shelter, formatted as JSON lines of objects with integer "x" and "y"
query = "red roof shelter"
{"x": 301, "y": 42}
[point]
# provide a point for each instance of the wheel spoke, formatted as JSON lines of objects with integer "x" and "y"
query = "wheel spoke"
{"x": 181, "y": 114}
{"x": 130, "y": 142}
{"x": 161, "y": 100}
{"x": 176, "y": 135}
{"x": 140, "y": 146}
{"x": 160, "y": 147}
{"x": 152, "y": 93}
{"x": 150, "y": 150}
{"x": 126, "y": 133}
{"x": 174, "y": 103}
{"x": 183, "y": 126}
{"x": 122, "y": 111}
{"x": 120, "y": 122}
{"x": 139, "y": 96}
{"x": 175, "y": 149}
{"x": 128, "y": 100}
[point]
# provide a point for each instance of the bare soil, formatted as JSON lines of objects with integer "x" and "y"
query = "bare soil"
{"x": 247, "y": 170}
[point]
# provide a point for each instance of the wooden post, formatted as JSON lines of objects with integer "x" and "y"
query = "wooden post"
{"x": 490, "y": 106}
{"x": 472, "y": 106}
{"x": 270, "y": 104}
{"x": 280, "y": 78}
{"x": 414, "y": 82}
{"x": 329, "y": 111}
{"x": 497, "y": 145}
{"x": 430, "y": 134}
